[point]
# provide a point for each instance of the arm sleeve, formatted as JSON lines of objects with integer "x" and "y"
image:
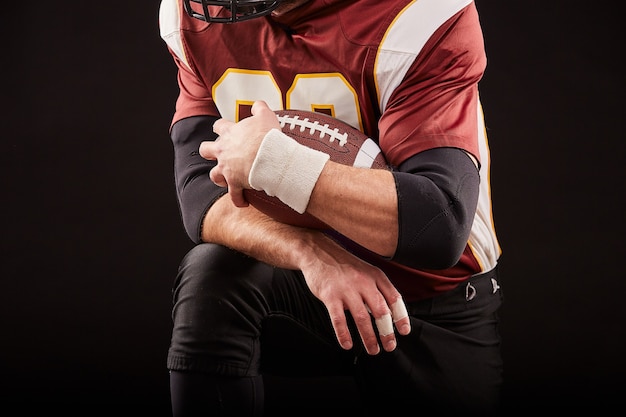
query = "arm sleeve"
{"x": 194, "y": 189}
{"x": 437, "y": 198}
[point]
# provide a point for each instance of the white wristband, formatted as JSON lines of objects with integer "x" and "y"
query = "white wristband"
{"x": 286, "y": 169}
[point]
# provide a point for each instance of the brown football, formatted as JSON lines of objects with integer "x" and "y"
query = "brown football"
{"x": 342, "y": 142}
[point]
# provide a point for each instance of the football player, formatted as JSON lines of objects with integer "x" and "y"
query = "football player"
{"x": 402, "y": 292}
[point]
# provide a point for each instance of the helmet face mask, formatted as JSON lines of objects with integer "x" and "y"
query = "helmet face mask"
{"x": 232, "y": 10}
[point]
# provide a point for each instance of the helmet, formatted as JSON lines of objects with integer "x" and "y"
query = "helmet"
{"x": 236, "y": 10}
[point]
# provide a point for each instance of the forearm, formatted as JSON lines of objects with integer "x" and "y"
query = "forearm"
{"x": 420, "y": 215}
{"x": 249, "y": 231}
{"x": 364, "y": 208}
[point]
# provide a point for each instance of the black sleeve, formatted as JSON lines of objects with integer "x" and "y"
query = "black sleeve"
{"x": 437, "y": 198}
{"x": 194, "y": 189}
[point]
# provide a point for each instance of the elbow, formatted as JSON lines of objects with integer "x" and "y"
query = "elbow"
{"x": 194, "y": 199}
{"x": 441, "y": 246}
{"x": 438, "y": 245}
{"x": 436, "y": 208}
{"x": 193, "y": 228}
{"x": 447, "y": 253}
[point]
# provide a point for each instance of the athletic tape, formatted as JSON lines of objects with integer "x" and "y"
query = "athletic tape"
{"x": 384, "y": 324}
{"x": 398, "y": 310}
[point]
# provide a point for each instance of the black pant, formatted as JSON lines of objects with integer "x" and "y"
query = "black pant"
{"x": 236, "y": 318}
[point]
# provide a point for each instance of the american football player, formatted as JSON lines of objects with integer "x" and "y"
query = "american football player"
{"x": 402, "y": 293}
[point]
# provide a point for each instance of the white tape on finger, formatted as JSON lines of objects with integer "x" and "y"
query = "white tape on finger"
{"x": 384, "y": 325}
{"x": 398, "y": 310}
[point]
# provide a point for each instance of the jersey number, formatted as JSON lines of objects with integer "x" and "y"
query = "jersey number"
{"x": 328, "y": 93}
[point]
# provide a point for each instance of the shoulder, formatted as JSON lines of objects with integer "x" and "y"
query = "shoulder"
{"x": 401, "y": 24}
{"x": 173, "y": 22}
{"x": 423, "y": 35}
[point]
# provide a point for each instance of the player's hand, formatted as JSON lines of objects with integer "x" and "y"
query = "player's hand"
{"x": 235, "y": 149}
{"x": 343, "y": 282}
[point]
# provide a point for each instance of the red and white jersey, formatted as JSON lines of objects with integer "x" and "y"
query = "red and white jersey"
{"x": 404, "y": 72}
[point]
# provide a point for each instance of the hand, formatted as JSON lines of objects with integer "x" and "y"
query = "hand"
{"x": 235, "y": 149}
{"x": 343, "y": 282}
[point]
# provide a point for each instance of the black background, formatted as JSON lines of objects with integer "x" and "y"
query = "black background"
{"x": 91, "y": 237}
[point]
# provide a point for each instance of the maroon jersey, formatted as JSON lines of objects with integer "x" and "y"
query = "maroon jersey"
{"x": 404, "y": 72}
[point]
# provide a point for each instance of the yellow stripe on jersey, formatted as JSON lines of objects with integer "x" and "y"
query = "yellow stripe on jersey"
{"x": 483, "y": 241}
{"x": 401, "y": 45}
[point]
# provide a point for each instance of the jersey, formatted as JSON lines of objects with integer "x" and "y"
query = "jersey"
{"x": 404, "y": 72}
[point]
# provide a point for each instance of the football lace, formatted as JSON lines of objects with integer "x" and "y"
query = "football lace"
{"x": 313, "y": 126}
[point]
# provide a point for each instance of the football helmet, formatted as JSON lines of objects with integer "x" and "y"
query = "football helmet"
{"x": 231, "y": 11}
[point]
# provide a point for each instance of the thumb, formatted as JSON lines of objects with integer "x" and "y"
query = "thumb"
{"x": 259, "y": 106}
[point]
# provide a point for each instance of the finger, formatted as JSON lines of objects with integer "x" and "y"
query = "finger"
{"x": 384, "y": 323}
{"x": 399, "y": 313}
{"x": 340, "y": 325}
{"x": 220, "y": 126}
{"x": 400, "y": 316}
{"x": 388, "y": 341}
{"x": 237, "y": 197}
{"x": 208, "y": 150}
{"x": 363, "y": 322}
{"x": 259, "y": 106}
{"x": 384, "y": 327}
{"x": 216, "y": 176}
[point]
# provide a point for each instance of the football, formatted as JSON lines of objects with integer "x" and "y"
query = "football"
{"x": 342, "y": 142}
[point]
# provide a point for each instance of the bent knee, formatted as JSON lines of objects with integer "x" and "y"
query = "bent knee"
{"x": 210, "y": 257}
{"x": 216, "y": 270}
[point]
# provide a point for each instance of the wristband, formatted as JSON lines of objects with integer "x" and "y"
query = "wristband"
{"x": 286, "y": 169}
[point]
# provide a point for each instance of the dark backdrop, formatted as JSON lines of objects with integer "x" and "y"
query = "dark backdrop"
{"x": 90, "y": 237}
